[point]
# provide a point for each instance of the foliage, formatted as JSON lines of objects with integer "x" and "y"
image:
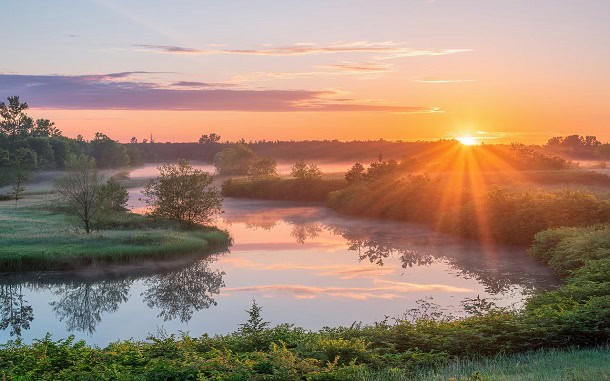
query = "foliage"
{"x": 108, "y": 153}
{"x": 184, "y": 194}
{"x": 114, "y": 195}
{"x": 235, "y": 160}
{"x": 509, "y": 216}
{"x": 305, "y": 172}
{"x": 263, "y": 167}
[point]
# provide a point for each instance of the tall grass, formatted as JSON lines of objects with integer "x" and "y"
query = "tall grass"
{"x": 543, "y": 365}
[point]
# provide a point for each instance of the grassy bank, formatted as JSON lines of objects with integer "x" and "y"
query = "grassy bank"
{"x": 423, "y": 345}
{"x": 544, "y": 365}
{"x": 477, "y": 212}
{"x": 37, "y": 236}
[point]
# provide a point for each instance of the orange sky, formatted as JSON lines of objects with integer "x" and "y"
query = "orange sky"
{"x": 399, "y": 70}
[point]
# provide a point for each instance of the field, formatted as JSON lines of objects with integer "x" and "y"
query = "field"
{"x": 38, "y": 235}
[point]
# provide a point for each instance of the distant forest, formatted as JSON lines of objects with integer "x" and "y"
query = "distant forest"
{"x": 27, "y": 145}
{"x": 571, "y": 147}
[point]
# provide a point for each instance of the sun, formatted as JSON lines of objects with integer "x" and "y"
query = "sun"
{"x": 467, "y": 140}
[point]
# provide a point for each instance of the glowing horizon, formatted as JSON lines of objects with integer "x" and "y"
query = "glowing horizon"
{"x": 262, "y": 72}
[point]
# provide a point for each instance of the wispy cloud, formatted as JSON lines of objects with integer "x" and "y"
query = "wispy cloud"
{"x": 384, "y": 50}
{"x": 116, "y": 91}
{"x": 362, "y": 70}
{"x": 440, "y": 80}
{"x": 195, "y": 84}
{"x": 361, "y": 67}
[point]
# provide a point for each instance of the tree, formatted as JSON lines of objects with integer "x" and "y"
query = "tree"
{"x": 209, "y": 139}
{"x": 255, "y": 323}
{"x": 263, "y": 167}
{"x": 45, "y": 128}
{"x": 355, "y": 174}
{"x": 15, "y": 121}
{"x": 114, "y": 195}
{"x": 108, "y": 153}
{"x": 22, "y": 167}
{"x": 302, "y": 171}
{"x": 183, "y": 193}
{"x": 81, "y": 189}
{"x": 234, "y": 160}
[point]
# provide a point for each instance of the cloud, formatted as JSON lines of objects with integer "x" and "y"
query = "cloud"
{"x": 440, "y": 80}
{"x": 361, "y": 67}
{"x": 363, "y": 70}
{"x": 115, "y": 91}
{"x": 385, "y": 290}
{"x": 174, "y": 49}
{"x": 385, "y": 49}
{"x": 202, "y": 84}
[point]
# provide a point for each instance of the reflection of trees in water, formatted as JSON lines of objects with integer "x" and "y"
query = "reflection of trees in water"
{"x": 180, "y": 293}
{"x": 15, "y": 313}
{"x": 305, "y": 231}
{"x": 498, "y": 271}
{"x": 81, "y": 305}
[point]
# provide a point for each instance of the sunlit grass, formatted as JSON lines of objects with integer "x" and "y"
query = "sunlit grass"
{"x": 545, "y": 365}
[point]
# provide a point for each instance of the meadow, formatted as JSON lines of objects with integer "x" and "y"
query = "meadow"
{"x": 37, "y": 234}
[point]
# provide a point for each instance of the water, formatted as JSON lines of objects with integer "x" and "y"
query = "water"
{"x": 303, "y": 263}
{"x": 150, "y": 170}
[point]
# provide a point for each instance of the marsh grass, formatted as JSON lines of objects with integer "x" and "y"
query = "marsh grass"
{"x": 543, "y": 365}
{"x": 38, "y": 236}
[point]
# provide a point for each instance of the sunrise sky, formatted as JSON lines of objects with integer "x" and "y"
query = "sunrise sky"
{"x": 499, "y": 70}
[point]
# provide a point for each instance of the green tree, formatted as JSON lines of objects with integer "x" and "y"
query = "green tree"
{"x": 303, "y": 171}
{"x": 114, "y": 195}
{"x": 14, "y": 119}
{"x": 108, "y": 153}
{"x": 235, "y": 160}
{"x": 81, "y": 189}
{"x": 22, "y": 166}
{"x": 263, "y": 167}
{"x": 183, "y": 193}
{"x": 255, "y": 324}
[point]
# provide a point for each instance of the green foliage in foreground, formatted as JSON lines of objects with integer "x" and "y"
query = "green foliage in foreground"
{"x": 36, "y": 238}
{"x": 422, "y": 346}
{"x": 285, "y": 189}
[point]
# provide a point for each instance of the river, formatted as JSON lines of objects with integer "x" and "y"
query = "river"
{"x": 303, "y": 263}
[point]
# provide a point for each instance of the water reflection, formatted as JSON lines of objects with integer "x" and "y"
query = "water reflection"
{"x": 311, "y": 266}
{"x": 180, "y": 293}
{"x": 15, "y": 313}
{"x": 81, "y": 305}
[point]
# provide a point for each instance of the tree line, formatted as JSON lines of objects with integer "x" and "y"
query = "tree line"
{"x": 28, "y": 145}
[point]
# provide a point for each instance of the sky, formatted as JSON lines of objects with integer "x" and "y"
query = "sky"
{"x": 498, "y": 70}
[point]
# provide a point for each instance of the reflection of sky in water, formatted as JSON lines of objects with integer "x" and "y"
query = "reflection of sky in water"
{"x": 303, "y": 264}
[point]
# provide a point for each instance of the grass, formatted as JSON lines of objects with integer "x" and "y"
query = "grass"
{"x": 544, "y": 365}
{"x": 35, "y": 236}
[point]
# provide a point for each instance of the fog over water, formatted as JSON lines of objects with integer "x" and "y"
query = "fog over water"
{"x": 302, "y": 262}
